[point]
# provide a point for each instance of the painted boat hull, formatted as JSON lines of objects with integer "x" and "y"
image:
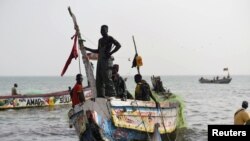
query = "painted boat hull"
{"x": 38, "y": 100}
{"x": 127, "y": 120}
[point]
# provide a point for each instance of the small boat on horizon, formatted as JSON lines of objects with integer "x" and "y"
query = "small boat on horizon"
{"x": 224, "y": 80}
{"x": 216, "y": 80}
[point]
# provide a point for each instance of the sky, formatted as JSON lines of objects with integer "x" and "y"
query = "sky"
{"x": 173, "y": 37}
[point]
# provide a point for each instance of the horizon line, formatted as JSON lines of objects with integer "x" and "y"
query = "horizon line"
{"x": 125, "y": 75}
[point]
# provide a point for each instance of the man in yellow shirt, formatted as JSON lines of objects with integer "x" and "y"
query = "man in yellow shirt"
{"x": 241, "y": 116}
{"x": 143, "y": 91}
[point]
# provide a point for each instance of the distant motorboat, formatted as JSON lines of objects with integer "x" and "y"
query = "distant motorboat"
{"x": 217, "y": 80}
{"x": 224, "y": 80}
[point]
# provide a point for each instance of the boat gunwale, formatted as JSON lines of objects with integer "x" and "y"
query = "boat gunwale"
{"x": 58, "y": 93}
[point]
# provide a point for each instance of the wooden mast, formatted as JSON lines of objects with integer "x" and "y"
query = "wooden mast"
{"x": 86, "y": 62}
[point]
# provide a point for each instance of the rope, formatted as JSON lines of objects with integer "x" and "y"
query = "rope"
{"x": 89, "y": 40}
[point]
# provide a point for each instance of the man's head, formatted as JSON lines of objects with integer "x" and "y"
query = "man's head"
{"x": 15, "y": 85}
{"x": 104, "y": 30}
{"x": 244, "y": 104}
{"x": 115, "y": 68}
{"x": 137, "y": 78}
{"x": 79, "y": 78}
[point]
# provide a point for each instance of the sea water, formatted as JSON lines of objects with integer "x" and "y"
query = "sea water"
{"x": 204, "y": 104}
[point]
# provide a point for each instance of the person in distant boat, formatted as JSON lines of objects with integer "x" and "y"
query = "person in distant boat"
{"x": 241, "y": 116}
{"x": 120, "y": 85}
{"x": 217, "y": 77}
{"x": 201, "y": 79}
{"x": 104, "y": 83}
{"x": 77, "y": 95}
{"x": 142, "y": 90}
{"x": 14, "y": 90}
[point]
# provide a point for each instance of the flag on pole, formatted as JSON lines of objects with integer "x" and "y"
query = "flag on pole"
{"x": 225, "y": 69}
{"x": 72, "y": 55}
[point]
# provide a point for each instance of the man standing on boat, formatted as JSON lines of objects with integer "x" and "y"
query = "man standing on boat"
{"x": 241, "y": 116}
{"x": 77, "y": 95}
{"x": 104, "y": 83}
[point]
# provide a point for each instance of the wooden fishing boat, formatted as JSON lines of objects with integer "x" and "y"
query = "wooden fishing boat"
{"x": 113, "y": 119}
{"x": 127, "y": 120}
{"x": 37, "y": 100}
{"x": 25, "y": 101}
{"x": 216, "y": 80}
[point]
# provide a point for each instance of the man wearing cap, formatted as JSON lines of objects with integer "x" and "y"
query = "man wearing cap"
{"x": 241, "y": 116}
{"x": 104, "y": 83}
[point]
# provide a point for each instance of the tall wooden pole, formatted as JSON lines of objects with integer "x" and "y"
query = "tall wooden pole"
{"x": 86, "y": 62}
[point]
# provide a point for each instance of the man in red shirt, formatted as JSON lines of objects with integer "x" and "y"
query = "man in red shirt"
{"x": 77, "y": 95}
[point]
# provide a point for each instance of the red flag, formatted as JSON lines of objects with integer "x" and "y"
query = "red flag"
{"x": 72, "y": 55}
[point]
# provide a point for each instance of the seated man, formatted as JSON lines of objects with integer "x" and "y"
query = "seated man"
{"x": 241, "y": 116}
{"x": 120, "y": 85}
{"x": 14, "y": 89}
{"x": 142, "y": 90}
